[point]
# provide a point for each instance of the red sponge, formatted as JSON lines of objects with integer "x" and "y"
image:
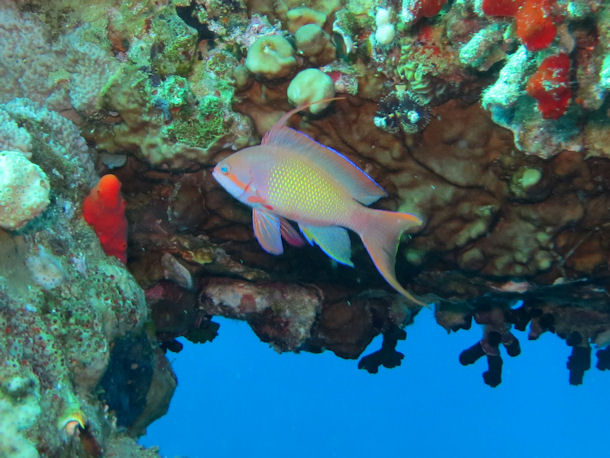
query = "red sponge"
{"x": 430, "y": 8}
{"x": 501, "y": 7}
{"x": 535, "y": 24}
{"x": 550, "y": 86}
{"x": 104, "y": 210}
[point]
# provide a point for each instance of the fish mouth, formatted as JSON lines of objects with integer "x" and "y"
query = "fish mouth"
{"x": 227, "y": 183}
{"x": 215, "y": 173}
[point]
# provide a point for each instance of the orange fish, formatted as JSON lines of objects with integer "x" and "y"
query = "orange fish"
{"x": 289, "y": 176}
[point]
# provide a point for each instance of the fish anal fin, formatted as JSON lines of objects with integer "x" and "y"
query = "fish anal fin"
{"x": 332, "y": 240}
{"x": 267, "y": 229}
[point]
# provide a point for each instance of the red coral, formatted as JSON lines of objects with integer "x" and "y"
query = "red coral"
{"x": 535, "y": 26}
{"x": 550, "y": 86}
{"x": 501, "y": 7}
{"x": 104, "y": 210}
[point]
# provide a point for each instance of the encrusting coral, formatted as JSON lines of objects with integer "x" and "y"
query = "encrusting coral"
{"x": 62, "y": 305}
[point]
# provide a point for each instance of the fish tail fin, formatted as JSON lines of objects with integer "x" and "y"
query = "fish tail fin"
{"x": 380, "y": 232}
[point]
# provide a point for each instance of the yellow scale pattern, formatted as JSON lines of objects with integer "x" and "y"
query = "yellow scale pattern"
{"x": 297, "y": 188}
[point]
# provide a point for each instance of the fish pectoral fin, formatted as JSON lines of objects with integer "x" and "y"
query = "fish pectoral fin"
{"x": 267, "y": 229}
{"x": 332, "y": 240}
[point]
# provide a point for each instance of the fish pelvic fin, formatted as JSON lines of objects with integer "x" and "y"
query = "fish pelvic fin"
{"x": 380, "y": 232}
{"x": 268, "y": 231}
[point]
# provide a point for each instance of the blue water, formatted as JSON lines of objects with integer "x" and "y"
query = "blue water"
{"x": 237, "y": 397}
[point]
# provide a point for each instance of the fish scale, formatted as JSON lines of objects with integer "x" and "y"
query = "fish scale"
{"x": 296, "y": 188}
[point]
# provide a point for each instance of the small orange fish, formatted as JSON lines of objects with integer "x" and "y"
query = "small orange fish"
{"x": 289, "y": 176}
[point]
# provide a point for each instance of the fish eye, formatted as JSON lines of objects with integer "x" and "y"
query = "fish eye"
{"x": 224, "y": 169}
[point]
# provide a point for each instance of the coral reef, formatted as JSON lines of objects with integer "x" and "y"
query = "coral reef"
{"x": 62, "y": 306}
{"x": 497, "y": 217}
{"x": 281, "y": 314}
{"x": 489, "y": 119}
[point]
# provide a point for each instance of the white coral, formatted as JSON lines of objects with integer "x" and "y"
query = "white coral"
{"x": 24, "y": 190}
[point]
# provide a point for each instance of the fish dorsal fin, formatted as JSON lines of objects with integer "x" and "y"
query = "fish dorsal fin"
{"x": 361, "y": 186}
{"x": 286, "y": 116}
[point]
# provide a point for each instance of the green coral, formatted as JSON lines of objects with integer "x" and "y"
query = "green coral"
{"x": 174, "y": 91}
{"x": 202, "y": 130}
{"x": 174, "y": 49}
{"x": 173, "y": 121}
{"x": 424, "y": 70}
{"x": 148, "y": 113}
